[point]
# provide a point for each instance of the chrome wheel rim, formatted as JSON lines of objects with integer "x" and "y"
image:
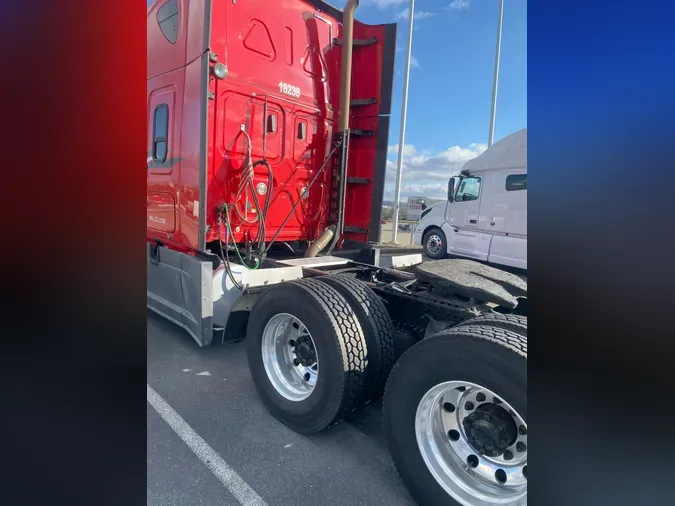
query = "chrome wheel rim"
{"x": 289, "y": 357}
{"x": 465, "y": 435}
{"x": 434, "y": 244}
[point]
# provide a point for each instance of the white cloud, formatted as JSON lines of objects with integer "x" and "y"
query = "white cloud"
{"x": 459, "y": 5}
{"x": 461, "y": 155}
{"x": 419, "y": 15}
{"x": 427, "y": 174}
{"x": 431, "y": 191}
{"x": 408, "y": 150}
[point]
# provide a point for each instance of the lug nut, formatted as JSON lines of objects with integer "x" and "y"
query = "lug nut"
{"x": 469, "y": 405}
{"x": 508, "y": 455}
{"x": 480, "y": 397}
{"x": 521, "y": 447}
{"x": 296, "y": 362}
{"x": 292, "y": 343}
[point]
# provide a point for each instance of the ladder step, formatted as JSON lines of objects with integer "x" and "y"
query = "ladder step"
{"x": 358, "y": 180}
{"x": 362, "y": 101}
{"x": 357, "y": 42}
{"x": 356, "y": 132}
{"x": 356, "y": 230}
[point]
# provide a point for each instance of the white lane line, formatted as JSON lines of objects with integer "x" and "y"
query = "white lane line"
{"x": 227, "y": 476}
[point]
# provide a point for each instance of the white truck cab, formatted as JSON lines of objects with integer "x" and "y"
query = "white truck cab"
{"x": 485, "y": 215}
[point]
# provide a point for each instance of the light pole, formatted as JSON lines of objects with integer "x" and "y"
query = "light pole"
{"x": 495, "y": 80}
{"x": 401, "y": 139}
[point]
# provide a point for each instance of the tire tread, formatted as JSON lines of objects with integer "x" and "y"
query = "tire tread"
{"x": 381, "y": 350}
{"x": 505, "y": 340}
{"x": 351, "y": 345}
{"x": 514, "y": 323}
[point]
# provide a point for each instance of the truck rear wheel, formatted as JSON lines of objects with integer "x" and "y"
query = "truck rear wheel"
{"x": 377, "y": 327}
{"x": 307, "y": 354}
{"x": 455, "y": 416}
{"x": 435, "y": 244}
{"x": 514, "y": 323}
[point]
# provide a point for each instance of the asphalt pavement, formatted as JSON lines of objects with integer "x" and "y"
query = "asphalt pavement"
{"x": 212, "y": 442}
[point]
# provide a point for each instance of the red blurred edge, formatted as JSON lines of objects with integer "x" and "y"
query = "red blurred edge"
{"x": 73, "y": 248}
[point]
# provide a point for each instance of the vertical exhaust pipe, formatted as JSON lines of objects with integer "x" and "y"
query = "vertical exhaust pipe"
{"x": 347, "y": 51}
{"x": 333, "y": 232}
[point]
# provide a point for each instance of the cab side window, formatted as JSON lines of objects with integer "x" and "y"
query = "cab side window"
{"x": 160, "y": 130}
{"x": 469, "y": 189}
{"x": 516, "y": 182}
{"x": 167, "y": 17}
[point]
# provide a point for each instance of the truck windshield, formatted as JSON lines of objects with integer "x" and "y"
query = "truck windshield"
{"x": 469, "y": 189}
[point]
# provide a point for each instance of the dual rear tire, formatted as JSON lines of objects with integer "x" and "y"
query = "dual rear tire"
{"x": 455, "y": 416}
{"x": 318, "y": 349}
{"x": 455, "y": 405}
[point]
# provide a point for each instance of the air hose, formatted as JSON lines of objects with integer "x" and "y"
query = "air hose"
{"x": 261, "y": 211}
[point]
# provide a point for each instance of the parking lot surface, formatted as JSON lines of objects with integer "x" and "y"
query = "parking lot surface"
{"x": 225, "y": 449}
{"x": 250, "y": 457}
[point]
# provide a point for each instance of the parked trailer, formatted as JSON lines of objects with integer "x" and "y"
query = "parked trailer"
{"x": 263, "y": 210}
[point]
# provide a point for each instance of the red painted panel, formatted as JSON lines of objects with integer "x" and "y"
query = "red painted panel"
{"x": 372, "y": 64}
{"x": 282, "y": 63}
{"x": 275, "y": 55}
{"x": 161, "y": 212}
{"x": 174, "y": 78}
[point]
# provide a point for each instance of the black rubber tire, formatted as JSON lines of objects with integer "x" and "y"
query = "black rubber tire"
{"x": 340, "y": 346}
{"x": 488, "y": 356}
{"x": 377, "y": 327}
{"x": 444, "y": 250}
{"x": 512, "y": 322}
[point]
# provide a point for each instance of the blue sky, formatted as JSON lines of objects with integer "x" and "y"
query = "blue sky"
{"x": 451, "y": 84}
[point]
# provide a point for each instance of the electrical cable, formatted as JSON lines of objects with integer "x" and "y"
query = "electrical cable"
{"x": 290, "y": 213}
{"x": 289, "y": 247}
{"x": 247, "y": 180}
{"x": 225, "y": 256}
{"x": 236, "y": 248}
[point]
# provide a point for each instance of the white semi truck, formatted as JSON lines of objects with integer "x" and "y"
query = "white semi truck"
{"x": 485, "y": 215}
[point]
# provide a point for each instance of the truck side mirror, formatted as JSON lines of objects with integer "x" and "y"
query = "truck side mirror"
{"x": 451, "y": 189}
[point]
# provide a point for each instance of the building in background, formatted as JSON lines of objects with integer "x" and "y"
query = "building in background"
{"x": 418, "y": 204}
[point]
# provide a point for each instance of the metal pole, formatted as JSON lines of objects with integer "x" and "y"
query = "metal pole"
{"x": 493, "y": 110}
{"x": 401, "y": 139}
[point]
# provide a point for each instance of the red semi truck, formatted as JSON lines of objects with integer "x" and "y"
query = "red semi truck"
{"x": 268, "y": 127}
